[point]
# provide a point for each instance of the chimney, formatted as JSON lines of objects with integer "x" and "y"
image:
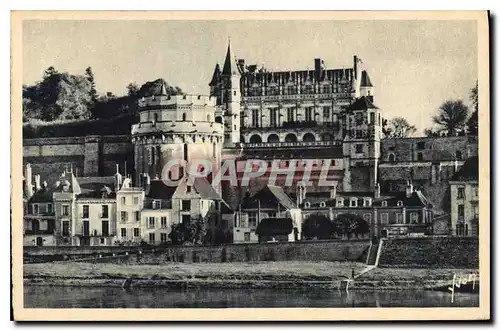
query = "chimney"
{"x": 300, "y": 194}
{"x": 37, "y": 183}
{"x": 377, "y": 191}
{"x": 356, "y": 66}
{"x": 409, "y": 189}
{"x": 333, "y": 192}
{"x": 317, "y": 69}
{"x": 147, "y": 183}
{"x": 28, "y": 181}
{"x": 118, "y": 179}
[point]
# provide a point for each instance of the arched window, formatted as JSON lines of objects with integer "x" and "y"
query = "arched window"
{"x": 255, "y": 139}
{"x": 290, "y": 138}
{"x": 384, "y": 203}
{"x": 309, "y": 137}
{"x": 273, "y": 138}
{"x": 392, "y": 157}
{"x": 400, "y": 203}
{"x": 184, "y": 117}
{"x": 420, "y": 156}
{"x": 458, "y": 155}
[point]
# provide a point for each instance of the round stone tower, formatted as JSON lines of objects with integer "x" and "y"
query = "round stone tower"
{"x": 175, "y": 127}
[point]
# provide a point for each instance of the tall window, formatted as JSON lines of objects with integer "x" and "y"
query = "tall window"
{"x": 359, "y": 148}
{"x": 384, "y": 217}
{"x": 65, "y": 210}
{"x": 136, "y": 200}
{"x": 326, "y": 113}
{"x": 273, "y": 117}
{"x": 49, "y": 208}
{"x": 290, "y": 114}
{"x": 163, "y": 237}
{"x": 123, "y": 216}
{"x": 252, "y": 219}
{"x": 124, "y": 232}
{"x": 186, "y": 205}
{"x": 461, "y": 193}
{"x": 35, "y": 209}
{"x": 151, "y": 238}
{"x": 105, "y": 228}
{"x": 137, "y": 216}
{"x": 137, "y": 232}
{"x": 461, "y": 211}
{"x": 163, "y": 222}
{"x": 255, "y": 118}
{"x": 65, "y": 230}
{"x": 309, "y": 114}
{"x": 151, "y": 222}
{"x": 291, "y": 90}
{"x": 399, "y": 218}
{"x": 105, "y": 211}
{"x": 414, "y": 217}
{"x": 124, "y": 200}
{"x": 372, "y": 118}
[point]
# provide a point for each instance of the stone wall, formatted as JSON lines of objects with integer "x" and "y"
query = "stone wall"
{"x": 449, "y": 252}
{"x": 338, "y": 250}
{"x": 89, "y": 156}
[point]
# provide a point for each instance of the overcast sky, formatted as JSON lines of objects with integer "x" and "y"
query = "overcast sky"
{"x": 414, "y": 65}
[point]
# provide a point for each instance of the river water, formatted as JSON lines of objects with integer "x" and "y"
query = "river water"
{"x": 109, "y": 297}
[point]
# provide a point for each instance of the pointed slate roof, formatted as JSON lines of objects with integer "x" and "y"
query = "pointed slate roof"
{"x": 469, "y": 170}
{"x": 229, "y": 64}
{"x": 362, "y": 103}
{"x": 365, "y": 79}
{"x": 269, "y": 197}
{"x": 215, "y": 76}
{"x": 163, "y": 91}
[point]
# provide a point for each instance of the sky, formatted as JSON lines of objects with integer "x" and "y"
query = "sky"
{"x": 414, "y": 65}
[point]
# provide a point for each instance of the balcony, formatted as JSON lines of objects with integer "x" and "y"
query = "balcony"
{"x": 293, "y": 144}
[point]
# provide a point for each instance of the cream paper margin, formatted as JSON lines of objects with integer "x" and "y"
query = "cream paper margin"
{"x": 249, "y": 314}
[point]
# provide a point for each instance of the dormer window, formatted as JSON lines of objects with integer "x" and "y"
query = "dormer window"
{"x": 340, "y": 202}
{"x": 307, "y": 205}
{"x": 156, "y": 204}
{"x": 384, "y": 203}
{"x": 322, "y": 204}
{"x": 400, "y": 203}
{"x": 367, "y": 202}
{"x": 354, "y": 202}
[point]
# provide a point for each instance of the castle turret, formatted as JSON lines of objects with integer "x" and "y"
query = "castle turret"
{"x": 118, "y": 179}
{"x": 366, "y": 86}
{"x": 231, "y": 98}
{"x": 178, "y": 128}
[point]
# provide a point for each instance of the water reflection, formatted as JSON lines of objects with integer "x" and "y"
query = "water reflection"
{"x": 102, "y": 297}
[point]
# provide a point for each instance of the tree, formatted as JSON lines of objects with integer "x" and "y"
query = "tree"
{"x": 89, "y": 75}
{"x": 351, "y": 224}
{"x": 400, "y": 128}
{"x": 193, "y": 232}
{"x": 472, "y": 122}
{"x": 58, "y": 96}
{"x": 154, "y": 88}
{"x": 451, "y": 117}
{"x": 318, "y": 226}
{"x": 132, "y": 90}
{"x": 431, "y": 133}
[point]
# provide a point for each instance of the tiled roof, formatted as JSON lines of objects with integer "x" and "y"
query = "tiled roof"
{"x": 205, "y": 189}
{"x": 365, "y": 79}
{"x": 362, "y": 103}
{"x": 230, "y": 63}
{"x": 158, "y": 190}
{"x": 44, "y": 195}
{"x": 468, "y": 171}
{"x": 215, "y": 76}
{"x": 268, "y": 197}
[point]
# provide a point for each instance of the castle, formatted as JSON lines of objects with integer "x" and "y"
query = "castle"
{"x": 321, "y": 117}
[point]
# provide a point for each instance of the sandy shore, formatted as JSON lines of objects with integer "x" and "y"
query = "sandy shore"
{"x": 295, "y": 274}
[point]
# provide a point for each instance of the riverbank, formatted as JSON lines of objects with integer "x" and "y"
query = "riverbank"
{"x": 293, "y": 274}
